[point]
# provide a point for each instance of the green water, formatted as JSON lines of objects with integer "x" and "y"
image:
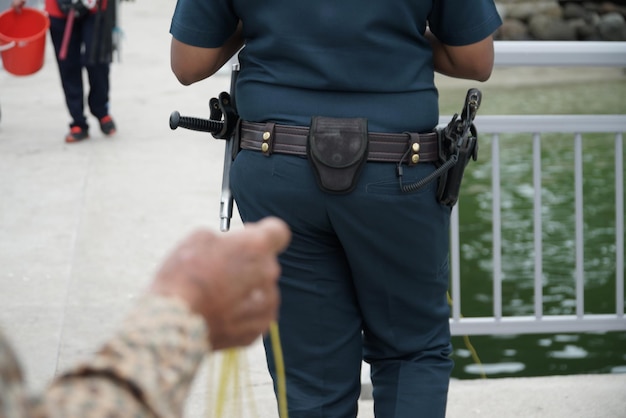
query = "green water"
{"x": 541, "y": 354}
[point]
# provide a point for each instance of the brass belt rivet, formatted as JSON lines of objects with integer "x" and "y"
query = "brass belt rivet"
{"x": 265, "y": 146}
{"x": 416, "y": 147}
{"x": 266, "y": 136}
{"x": 415, "y": 158}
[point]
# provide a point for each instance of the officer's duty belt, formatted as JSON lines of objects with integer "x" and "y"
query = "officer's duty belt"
{"x": 409, "y": 147}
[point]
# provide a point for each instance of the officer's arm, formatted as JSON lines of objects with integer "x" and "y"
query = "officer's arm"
{"x": 191, "y": 63}
{"x": 474, "y": 61}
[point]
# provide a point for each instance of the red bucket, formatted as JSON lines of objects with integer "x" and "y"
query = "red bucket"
{"x": 23, "y": 40}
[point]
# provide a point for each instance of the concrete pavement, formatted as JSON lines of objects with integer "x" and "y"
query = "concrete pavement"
{"x": 83, "y": 226}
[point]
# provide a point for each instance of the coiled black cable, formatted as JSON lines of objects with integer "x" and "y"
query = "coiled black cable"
{"x": 413, "y": 187}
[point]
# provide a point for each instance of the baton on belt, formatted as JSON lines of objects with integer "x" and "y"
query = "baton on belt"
{"x": 222, "y": 123}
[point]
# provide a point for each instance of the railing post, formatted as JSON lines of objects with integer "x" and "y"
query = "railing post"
{"x": 538, "y": 242}
{"x": 497, "y": 229}
{"x": 619, "y": 225}
{"x": 579, "y": 225}
{"x": 455, "y": 263}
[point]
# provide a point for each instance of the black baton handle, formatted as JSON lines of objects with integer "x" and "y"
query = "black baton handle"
{"x": 195, "y": 124}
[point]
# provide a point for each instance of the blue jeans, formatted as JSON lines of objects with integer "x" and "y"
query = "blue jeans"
{"x": 71, "y": 69}
{"x": 365, "y": 277}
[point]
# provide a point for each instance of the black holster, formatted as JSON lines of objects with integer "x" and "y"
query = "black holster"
{"x": 460, "y": 146}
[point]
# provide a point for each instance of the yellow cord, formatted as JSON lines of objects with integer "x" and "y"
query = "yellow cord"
{"x": 229, "y": 384}
{"x": 281, "y": 381}
{"x": 229, "y": 372}
{"x": 249, "y": 392}
{"x": 469, "y": 346}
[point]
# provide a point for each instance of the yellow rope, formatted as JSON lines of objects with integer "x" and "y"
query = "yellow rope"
{"x": 228, "y": 373}
{"x": 469, "y": 346}
{"x": 229, "y": 383}
{"x": 249, "y": 392}
{"x": 281, "y": 385}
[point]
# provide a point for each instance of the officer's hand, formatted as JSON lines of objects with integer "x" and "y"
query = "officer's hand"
{"x": 230, "y": 279}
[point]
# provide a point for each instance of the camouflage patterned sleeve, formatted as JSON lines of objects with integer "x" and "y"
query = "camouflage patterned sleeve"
{"x": 13, "y": 397}
{"x": 145, "y": 370}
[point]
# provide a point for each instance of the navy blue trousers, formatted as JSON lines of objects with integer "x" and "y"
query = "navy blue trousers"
{"x": 365, "y": 277}
{"x": 71, "y": 69}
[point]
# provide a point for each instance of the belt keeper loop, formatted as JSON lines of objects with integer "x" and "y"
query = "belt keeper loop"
{"x": 414, "y": 148}
{"x": 268, "y": 139}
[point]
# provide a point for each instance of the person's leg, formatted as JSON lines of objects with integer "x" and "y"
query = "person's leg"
{"x": 97, "y": 69}
{"x": 70, "y": 69}
{"x": 319, "y": 322}
{"x": 397, "y": 247}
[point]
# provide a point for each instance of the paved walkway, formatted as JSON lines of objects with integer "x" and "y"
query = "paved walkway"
{"x": 83, "y": 226}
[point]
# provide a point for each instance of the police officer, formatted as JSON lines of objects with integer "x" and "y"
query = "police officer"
{"x": 333, "y": 98}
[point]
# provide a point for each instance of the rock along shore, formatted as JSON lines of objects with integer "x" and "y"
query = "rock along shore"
{"x": 562, "y": 20}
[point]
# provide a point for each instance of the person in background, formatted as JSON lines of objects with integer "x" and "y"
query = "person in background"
{"x": 86, "y": 47}
{"x": 212, "y": 292}
{"x": 338, "y": 106}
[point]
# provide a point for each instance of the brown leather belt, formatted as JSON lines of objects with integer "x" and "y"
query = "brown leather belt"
{"x": 409, "y": 147}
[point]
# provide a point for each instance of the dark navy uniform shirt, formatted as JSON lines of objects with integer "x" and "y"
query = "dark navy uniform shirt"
{"x": 348, "y": 58}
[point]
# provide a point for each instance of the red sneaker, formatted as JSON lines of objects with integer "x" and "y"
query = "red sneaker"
{"x": 107, "y": 126}
{"x": 76, "y": 134}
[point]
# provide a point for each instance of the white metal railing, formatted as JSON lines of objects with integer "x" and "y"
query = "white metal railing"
{"x": 560, "y": 54}
{"x": 555, "y": 54}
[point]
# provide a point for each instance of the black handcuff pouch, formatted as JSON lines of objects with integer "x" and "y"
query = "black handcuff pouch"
{"x": 337, "y": 149}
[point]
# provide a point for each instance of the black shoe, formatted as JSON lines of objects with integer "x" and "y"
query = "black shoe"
{"x": 107, "y": 126}
{"x": 77, "y": 134}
